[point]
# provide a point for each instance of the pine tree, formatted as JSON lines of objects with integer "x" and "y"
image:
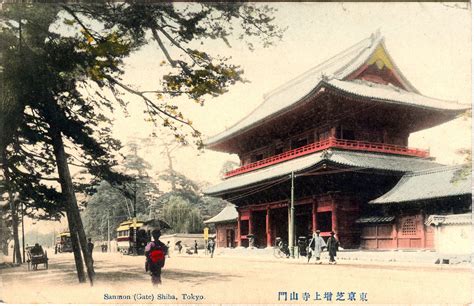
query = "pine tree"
{"x": 54, "y": 84}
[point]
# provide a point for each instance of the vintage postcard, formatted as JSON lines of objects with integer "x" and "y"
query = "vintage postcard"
{"x": 235, "y": 153}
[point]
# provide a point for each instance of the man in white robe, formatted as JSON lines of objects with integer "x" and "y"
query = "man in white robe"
{"x": 316, "y": 246}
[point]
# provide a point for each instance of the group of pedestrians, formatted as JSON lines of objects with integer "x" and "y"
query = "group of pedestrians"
{"x": 156, "y": 252}
{"x": 317, "y": 244}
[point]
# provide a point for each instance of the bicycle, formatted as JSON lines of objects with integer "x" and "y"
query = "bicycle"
{"x": 280, "y": 249}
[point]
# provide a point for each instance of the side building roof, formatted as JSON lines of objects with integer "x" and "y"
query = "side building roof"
{"x": 377, "y": 161}
{"x": 228, "y": 214}
{"x": 440, "y": 182}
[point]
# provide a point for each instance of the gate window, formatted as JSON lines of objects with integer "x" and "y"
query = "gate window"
{"x": 409, "y": 227}
{"x": 257, "y": 157}
{"x": 278, "y": 150}
{"x": 323, "y": 135}
{"x": 300, "y": 142}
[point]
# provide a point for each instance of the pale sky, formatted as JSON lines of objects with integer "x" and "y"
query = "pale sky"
{"x": 430, "y": 43}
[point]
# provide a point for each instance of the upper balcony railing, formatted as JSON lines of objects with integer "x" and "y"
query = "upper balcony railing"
{"x": 326, "y": 144}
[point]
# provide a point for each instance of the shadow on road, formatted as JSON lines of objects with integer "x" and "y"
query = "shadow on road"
{"x": 197, "y": 277}
{"x": 63, "y": 271}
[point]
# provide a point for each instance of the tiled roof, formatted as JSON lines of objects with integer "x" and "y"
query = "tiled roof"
{"x": 449, "y": 219}
{"x": 229, "y": 213}
{"x": 446, "y": 181}
{"x": 332, "y": 73}
{"x": 345, "y": 158}
{"x": 393, "y": 94}
{"x": 364, "y": 220}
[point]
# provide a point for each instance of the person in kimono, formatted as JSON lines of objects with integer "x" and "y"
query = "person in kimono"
{"x": 333, "y": 246}
{"x": 317, "y": 244}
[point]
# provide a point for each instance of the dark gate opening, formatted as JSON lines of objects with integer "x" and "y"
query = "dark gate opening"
{"x": 324, "y": 221}
{"x": 259, "y": 228}
{"x": 303, "y": 224}
{"x": 279, "y": 224}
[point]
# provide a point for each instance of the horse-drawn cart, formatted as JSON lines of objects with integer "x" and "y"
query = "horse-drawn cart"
{"x": 37, "y": 258}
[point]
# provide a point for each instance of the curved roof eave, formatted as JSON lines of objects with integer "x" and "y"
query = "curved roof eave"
{"x": 437, "y": 183}
{"x": 376, "y": 161}
{"x": 380, "y": 93}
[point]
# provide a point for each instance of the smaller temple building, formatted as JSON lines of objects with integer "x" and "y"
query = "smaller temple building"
{"x": 225, "y": 224}
{"x": 402, "y": 217}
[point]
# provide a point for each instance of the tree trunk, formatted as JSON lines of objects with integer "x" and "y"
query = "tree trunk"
{"x": 70, "y": 197}
{"x": 170, "y": 167}
{"x": 16, "y": 245}
{"x": 76, "y": 248}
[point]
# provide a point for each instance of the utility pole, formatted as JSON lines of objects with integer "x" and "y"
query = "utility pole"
{"x": 291, "y": 224}
{"x": 108, "y": 232}
{"x": 134, "y": 224}
{"x": 23, "y": 231}
{"x": 54, "y": 238}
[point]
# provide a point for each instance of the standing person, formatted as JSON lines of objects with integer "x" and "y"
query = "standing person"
{"x": 155, "y": 252}
{"x": 319, "y": 244}
{"x": 90, "y": 248}
{"x": 168, "y": 248}
{"x": 195, "y": 247}
{"x": 211, "y": 246}
{"x": 180, "y": 246}
{"x": 333, "y": 245}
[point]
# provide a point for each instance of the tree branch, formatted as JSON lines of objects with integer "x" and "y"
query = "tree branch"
{"x": 71, "y": 12}
{"x": 163, "y": 48}
{"x": 147, "y": 100}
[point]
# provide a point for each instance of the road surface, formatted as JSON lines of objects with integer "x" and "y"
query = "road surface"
{"x": 191, "y": 279}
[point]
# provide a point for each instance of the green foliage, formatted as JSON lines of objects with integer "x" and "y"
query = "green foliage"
{"x": 107, "y": 202}
{"x": 210, "y": 206}
{"x": 228, "y": 166}
{"x": 466, "y": 170}
{"x": 189, "y": 191}
{"x": 176, "y": 28}
{"x": 6, "y": 234}
{"x": 181, "y": 185}
{"x": 44, "y": 239}
{"x": 117, "y": 202}
{"x": 60, "y": 60}
{"x": 182, "y": 216}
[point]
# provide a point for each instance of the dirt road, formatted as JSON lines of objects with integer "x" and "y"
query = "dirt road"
{"x": 191, "y": 279}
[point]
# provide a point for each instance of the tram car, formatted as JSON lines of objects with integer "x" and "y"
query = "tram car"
{"x": 63, "y": 242}
{"x": 125, "y": 239}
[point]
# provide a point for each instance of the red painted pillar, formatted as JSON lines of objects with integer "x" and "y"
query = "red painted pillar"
{"x": 421, "y": 223}
{"x": 314, "y": 220}
{"x": 334, "y": 216}
{"x": 250, "y": 222}
{"x": 268, "y": 228}
{"x": 239, "y": 242}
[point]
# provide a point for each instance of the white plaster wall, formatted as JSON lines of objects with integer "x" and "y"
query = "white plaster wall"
{"x": 187, "y": 241}
{"x": 454, "y": 239}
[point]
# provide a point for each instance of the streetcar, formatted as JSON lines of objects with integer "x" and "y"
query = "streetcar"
{"x": 63, "y": 242}
{"x": 125, "y": 237}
